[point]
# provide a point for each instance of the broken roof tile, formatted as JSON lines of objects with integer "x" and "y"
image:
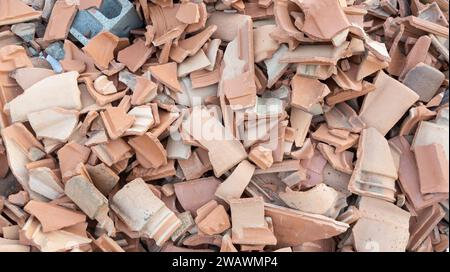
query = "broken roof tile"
{"x": 101, "y": 48}
{"x": 382, "y": 227}
{"x": 16, "y": 11}
{"x": 135, "y": 55}
{"x": 61, "y": 18}
{"x": 307, "y": 92}
{"x": 54, "y": 123}
{"x": 167, "y": 75}
{"x": 60, "y": 90}
{"x": 150, "y": 153}
{"x": 235, "y": 184}
{"x": 433, "y": 168}
{"x": 385, "y": 106}
{"x": 375, "y": 172}
{"x": 53, "y": 217}
{"x": 249, "y": 224}
{"x": 142, "y": 211}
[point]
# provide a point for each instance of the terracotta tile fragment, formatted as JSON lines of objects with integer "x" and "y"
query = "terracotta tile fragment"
{"x": 61, "y": 19}
{"x": 374, "y": 177}
{"x": 20, "y": 198}
{"x": 425, "y": 80}
{"x": 195, "y": 193}
{"x": 307, "y": 92}
{"x": 340, "y": 161}
{"x": 422, "y": 225}
{"x": 112, "y": 152}
{"x": 235, "y": 184}
{"x": 224, "y": 151}
{"x": 91, "y": 201}
{"x": 116, "y": 121}
{"x": 167, "y": 75}
{"x": 103, "y": 177}
{"x": 16, "y": 11}
{"x": 46, "y": 182}
{"x": 249, "y": 226}
{"x": 104, "y": 86}
{"x": 70, "y": 156}
{"x": 54, "y": 241}
{"x": 293, "y": 227}
{"x": 188, "y": 13}
{"x": 382, "y": 227}
{"x": 135, "y": 55}
{"x": 433, "y": 168}
{"x": 321, "y": 199}
{"x": 53, "y": 217}
{"x": 215, "y": 222}
{"x": 60, "y": 90}
{"x": 323, "y": 134}
{"x": 27, "y": 76}
{"x": 101, "y": 48}
{"x": 385, "y": 106}
{"x": 142, "y": 211}
{"x": 150, "y": 153}
{"x": 55, "y": 123}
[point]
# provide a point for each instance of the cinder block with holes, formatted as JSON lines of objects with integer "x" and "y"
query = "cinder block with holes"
{"x": 116, "y": 16}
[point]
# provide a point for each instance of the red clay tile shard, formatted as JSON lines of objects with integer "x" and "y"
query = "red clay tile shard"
{"x": 425, "y": 80}
{"x": 422, "y": 225}
{"x": 249, "y": 224}
{"x": 264, "y": 45}
{"x": 235, "y": 184}
{"x": 196, "y": 193}
{"x": 150, "y": 153}
{"x": 135, "y": 55}
{"x": 60, "y": 21}
{"x": 307, "y": 92}
{"x": 191, "y": 45}
{"x": 70, "y": 156}
{"x": 26, "y": 77}
{"x": 322, "y": 54}
{"x": 340, "y": 161}
{"x": 188, "y": 13}
{"x": 53, "y": 217}
{"x": 113, "y": 151}
{"x": 316, "y": 23}
{"x": 167, "y": 75}
{"x": 323, "y": 134}
{"x": 104, "y": 86}
{"x": 224, "y": 150}
{"x": 215, "y": 222}
{"x": 90, "y": 200}
{"x": 116, "y": 121}
{"x": 385, "y": 106}
{"x": 60, "y": 90}
{"x": 238, "y": 74}
{"x": 375, "y": 172}
{"x": 294, "y": 227}
{"x": 13, "y": 57}
{"x": 142, "y": 211}
{"x": 330, "y": 201}
{"x": 433, "y": 168}
{"x": 55, "y": 123}
{"x": 16, "y": 11}
{"x": 343, "y": 117}
{"x": 382, "y": 227}
{"x": 85, "y": 4}
{"x": 101, "y": 48}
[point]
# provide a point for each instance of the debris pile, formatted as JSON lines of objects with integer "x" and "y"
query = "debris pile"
{"x": 224, "y": 125}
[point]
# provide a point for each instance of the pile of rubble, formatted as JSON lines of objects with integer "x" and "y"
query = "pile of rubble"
{"x": 224, "y": 125}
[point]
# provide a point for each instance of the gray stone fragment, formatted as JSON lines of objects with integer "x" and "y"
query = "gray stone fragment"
{"x": 425, "y": 80}
{"x": 56, "y": 50}
{"x": 9, "y": 185}
{"x": 24, "y": 30}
